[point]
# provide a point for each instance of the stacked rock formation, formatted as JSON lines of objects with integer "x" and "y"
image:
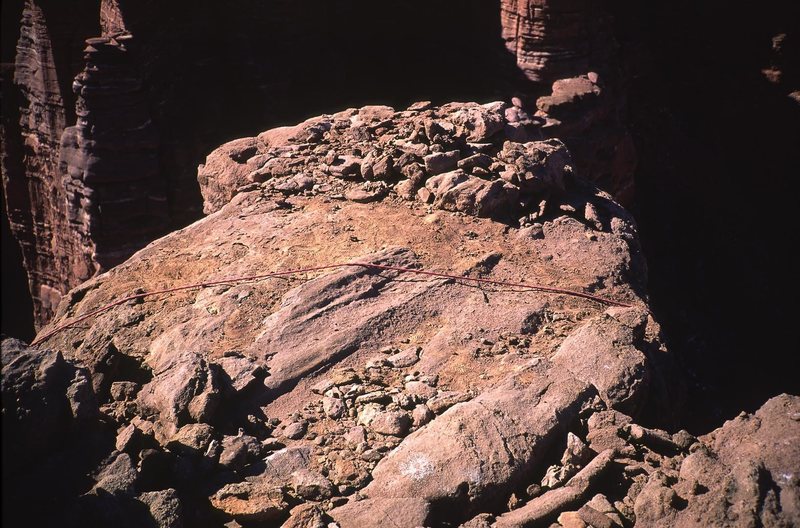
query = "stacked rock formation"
{"x": 554, "y": 40}
{"x": 109, "y": 159}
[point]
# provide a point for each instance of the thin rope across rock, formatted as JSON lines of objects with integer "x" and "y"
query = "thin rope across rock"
{"x": 234, "y": 280}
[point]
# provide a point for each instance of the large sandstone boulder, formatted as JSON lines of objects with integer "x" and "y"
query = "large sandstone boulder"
{"x": 462, "y": 356}
{"x": 352, "y": 382}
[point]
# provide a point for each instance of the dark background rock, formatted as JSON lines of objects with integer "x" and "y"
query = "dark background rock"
{"x": 716, "y": 142}
{"x": 48, "y": 449}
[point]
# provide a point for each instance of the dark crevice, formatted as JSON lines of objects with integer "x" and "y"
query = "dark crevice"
{"x": 17, "y": 307}
{"x": 716, "y": 187}
{"x": 17, "y": 314}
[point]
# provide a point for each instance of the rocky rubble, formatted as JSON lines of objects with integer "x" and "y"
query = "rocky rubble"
{"x": 676, "y": 479}
{"x": 352, "y": 396}
{"x": 611, "y": 473}
{"x": 490, "y": 160}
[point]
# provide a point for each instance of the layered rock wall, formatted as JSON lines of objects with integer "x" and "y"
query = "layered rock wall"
{"x": 109, "y": 160}
{"x": 557, "y": 39}
{"x": 56, "y": 250}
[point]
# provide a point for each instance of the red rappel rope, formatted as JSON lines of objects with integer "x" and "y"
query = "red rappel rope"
{"x": 251, "y": 278}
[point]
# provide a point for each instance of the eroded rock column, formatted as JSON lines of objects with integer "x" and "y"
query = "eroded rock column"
{"x": 109, "y": 159}
{"x": 54, "y": 253}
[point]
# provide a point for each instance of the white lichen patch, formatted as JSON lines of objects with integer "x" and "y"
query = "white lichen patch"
{"x": 417, "y": 467}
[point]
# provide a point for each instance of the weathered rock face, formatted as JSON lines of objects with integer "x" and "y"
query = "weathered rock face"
{"x": 56, "y": 444}
{"x": 742, "y": 474}
{"x": 615, "y": 473}
{"x": 249, "y": 399}
{"x": 356, "y": 395}
{"x": 95, "y": 174}
{"x": 553, "y": 39}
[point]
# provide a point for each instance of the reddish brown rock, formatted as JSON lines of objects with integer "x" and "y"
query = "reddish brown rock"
{"x": 475, "y": 447}
{"x": 306, "y": 516}
{"x": 559, "y": 499}
{"x": 553, "y": 40}
{"x": 514, "y": 375}
{"x": 249, "y": 502}
{"x": 386, "y": 383}
{"x": 229, "y": 166}
{"x": 46, "y": 219}
{"x": 165, "y": 507}
{"x": 744, "y": 473}
{"x": 587, "y": 114}
{"x": 186, "y": 388}
{"x": 375, "y": 513}
{"x": 604, "y": 353}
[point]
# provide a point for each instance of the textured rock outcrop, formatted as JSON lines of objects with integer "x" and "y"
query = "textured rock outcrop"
{"x": 356, "y": 395}
{"x": 746, "y": 473}
{"x": 568, "y": 53}
{"x": 489, "y": 160}
{"x": 109, "y": 158}
{"x": 250, "y": 399}
{"x": 743, "y": 473}
{"x": 42, "y": 394}
{"x": 57, "y": 442}
{"x": 362, "y": 397}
